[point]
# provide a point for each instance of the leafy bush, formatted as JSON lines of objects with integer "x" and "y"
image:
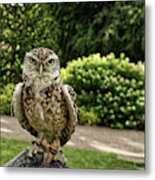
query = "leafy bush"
{"x": 5, "y": 99}
{"x": 86, "y": 117}
{"x": 111, "y": 88}
{"x": 23, "y": 27}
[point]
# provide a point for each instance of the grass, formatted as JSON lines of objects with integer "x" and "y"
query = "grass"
{"x": 77, "y": 158}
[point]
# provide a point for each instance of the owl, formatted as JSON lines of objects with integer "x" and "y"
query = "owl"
{"x": 43, "y": 105}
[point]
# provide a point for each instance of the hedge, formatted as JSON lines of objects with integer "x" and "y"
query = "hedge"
{"x": 110, "y": 90}
{"x": 5, "y": 99}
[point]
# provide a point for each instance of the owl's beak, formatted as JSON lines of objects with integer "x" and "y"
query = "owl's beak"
{"x": 41, "y": 70}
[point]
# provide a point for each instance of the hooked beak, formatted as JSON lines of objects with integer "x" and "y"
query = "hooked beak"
{"x": 41, "y": 70}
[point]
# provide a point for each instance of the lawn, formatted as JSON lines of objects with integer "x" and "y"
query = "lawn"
{"x": 77, "y": 158}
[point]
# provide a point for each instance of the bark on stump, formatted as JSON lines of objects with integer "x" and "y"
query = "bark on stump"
{"x": 23, "y": 160}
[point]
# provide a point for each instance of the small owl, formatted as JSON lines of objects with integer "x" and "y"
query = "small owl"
{"x": 43, "y": 105}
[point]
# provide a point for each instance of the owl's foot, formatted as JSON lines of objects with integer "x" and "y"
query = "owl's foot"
{"x": 60, "y": 157}
{"x": 50, "y": 150}
{"x": 47, "y": 158}
{"x": 33, "y": 149}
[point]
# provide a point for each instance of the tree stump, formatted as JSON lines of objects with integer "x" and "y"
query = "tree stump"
{"x": 23, "y": 160}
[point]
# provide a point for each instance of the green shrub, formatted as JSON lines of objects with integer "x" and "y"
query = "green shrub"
{"x": 5, "y": 99}
{"x": 111, "y": 88}
{"x": 87, "y": 117}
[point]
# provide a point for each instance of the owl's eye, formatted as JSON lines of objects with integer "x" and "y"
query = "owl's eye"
{"x": 33, "y": 61}
{"x": 51, "y": 61}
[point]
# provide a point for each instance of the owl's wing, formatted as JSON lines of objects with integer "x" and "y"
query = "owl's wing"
{"x": 70, "y": 100}
{"x": 18, "y": 111}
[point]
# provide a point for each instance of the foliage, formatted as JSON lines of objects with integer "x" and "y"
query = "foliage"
{"x": 112, "y": 88}
{"x": 24, "y": 26}
{"x": 87, "y": 117}
{"x": 71, "y": 29}
{"x": 77, "y": 158}
{"x": 104, "y": 27}
{"x": 5, "y": 99}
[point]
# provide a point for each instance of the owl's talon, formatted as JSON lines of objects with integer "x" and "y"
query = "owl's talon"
{"x": 32, "y": 150}
{"x": 61, "y": 157}
{"x": 47, "y": 158}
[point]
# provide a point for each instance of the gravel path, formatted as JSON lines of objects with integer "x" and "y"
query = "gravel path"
{"x": 127, "y": 144}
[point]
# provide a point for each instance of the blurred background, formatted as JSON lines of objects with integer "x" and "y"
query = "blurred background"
{"x": 101, "y": 49}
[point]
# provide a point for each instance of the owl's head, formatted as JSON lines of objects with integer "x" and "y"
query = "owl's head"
{"x": 41, "y": 63}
